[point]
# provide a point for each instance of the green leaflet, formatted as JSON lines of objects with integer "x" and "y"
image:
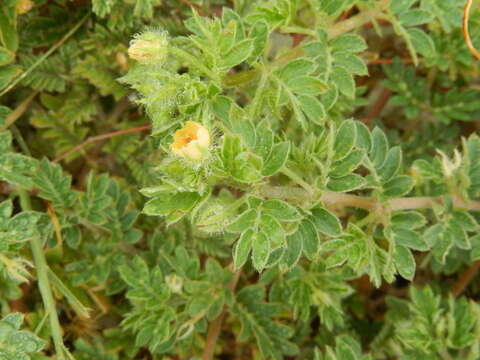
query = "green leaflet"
{"x": 379, "y": 147}
{"x": 348, "y": 43}
{"x": 258, "y": 321}
{"x": 346, "y": 348}
{"x": 242, "y": 248}
{"x": 263, "y": 230}
{"x": 16, "y": 343}
{"x": 344, "y": 80}
{"x": 8, "y": 26}
{"x": 404, "y": 17}
{"x": 277, "y": 159}
{"x": 424, "y": 313}
{"x": 166, "y": 204}
{"x": 326, "y": 222}
{"x": 409, "y": 238}
{"x": 281, "y": 210}
{"x": 310, "y": 238}
{"x": 346, "y": 183}
{"x": 345, "y": 139}
{"x": 404, "y": 261}
{"x": 244, "y": 221}
{"x": 348, "y": 164}
{"x": 293, "y": 251}
{"x": 356, "y": 249}
{"x": 260, "y": 250}
{"x": 54, "y": 185}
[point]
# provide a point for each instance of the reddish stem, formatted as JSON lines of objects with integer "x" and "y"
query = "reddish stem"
{"x": 466, "y": 33}
{"x": 388, "y": 61}
{"x": 216, "y": 325}
{"x": 297, "y": 39}
{"x": 93, "y": 139}
{"x": 463, "y": 281}
{"x": 195, "y": 7}
{"x": 346, "y": 14}
{"x": 379, "y": 21}
{"x": 378, "y": 106}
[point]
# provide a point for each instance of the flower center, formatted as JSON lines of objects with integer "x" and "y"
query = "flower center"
{"x": 183, "y": 138}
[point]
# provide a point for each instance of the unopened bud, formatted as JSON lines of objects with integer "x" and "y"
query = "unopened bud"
{"x": 449, "y": 166}
{"x": 149, "y": 47}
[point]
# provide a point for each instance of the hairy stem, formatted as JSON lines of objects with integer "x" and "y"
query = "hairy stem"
{"x": 352, "y": 23}
{"x": 298, "y": 30}
{"x": 364, "y": 202}
{"x": 428, "y": 202}
{"x": 44, "y": 284}
{"x": 296, "y": 178}
{"x": 257, "y": 99}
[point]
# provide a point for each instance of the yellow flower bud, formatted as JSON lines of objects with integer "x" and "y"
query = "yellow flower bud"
{"x": 149, "y": 47}
{"x": 24, "y": 6}
{"x": 191, "y": 141}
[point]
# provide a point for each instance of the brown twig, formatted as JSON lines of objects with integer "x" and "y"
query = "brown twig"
{"x": 346, "y": 14}
{"x": 193, "y": 6}
{"x": 462, "y": 283}
{"x": 55, "y": 222}
{"x": 378, "y": 21}
{"x": 466, "y": 33}
{"x": 216, "y": 325}
{"x": 18, "y": 111}
{"x": 388, "y": 61}
{"x": 297, "y": 39}
{"x": 93, "y": 139}
{"x": 378, "y": 106}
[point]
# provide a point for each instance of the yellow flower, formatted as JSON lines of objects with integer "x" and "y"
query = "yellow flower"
{"x": 191, "y": 141}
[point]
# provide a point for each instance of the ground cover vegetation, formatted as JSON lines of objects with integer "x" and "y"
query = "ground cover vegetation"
{"x": 235, "y": 179}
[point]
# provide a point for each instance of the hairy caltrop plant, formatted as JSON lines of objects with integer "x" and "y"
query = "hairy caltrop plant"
{"x": 239, "y": 179}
